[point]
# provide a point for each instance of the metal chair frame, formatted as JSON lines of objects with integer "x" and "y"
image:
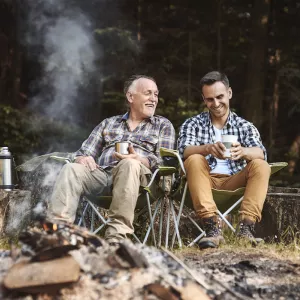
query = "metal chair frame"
{"x": 225, "y": 200}
{"x": 162, "y": 172}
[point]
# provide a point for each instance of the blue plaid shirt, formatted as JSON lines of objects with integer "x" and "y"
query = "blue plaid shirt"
{"x": 146, "y": 139}
{"x": 198, "y": 130}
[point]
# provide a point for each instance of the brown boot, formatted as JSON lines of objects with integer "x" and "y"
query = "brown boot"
{"x": 213, "y": 232}
{"x": 245, "y": 230}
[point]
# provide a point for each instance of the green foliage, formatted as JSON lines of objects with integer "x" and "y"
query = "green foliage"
{"x": 26, "y": 133}
{"x": 178, "y": 111}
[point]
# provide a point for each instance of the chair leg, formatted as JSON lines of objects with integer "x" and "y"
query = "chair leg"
{"x": 154, "y": 215}
{"x": 161, "y": 219}
{"x": 168, "y": 223}
{"x": 136, "y": 238}
{"x": 151, "y": 219}
{"x": 83, "y": 215}
{"x": 95, "y": 211}
{"x": 179, "y": 213}
{"x": 175, "y": 225}
{"x": 199, "y": 236}
{"x": 92, "y": 221}
{"x": 223, "y": 216}
{"x": 81, "y": 220}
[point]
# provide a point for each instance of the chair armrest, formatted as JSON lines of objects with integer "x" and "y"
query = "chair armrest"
{"x": 167, "y": 152}
{"x": 277, "y": 166}
{"x": 61, "y": 159}
{"x": 164, "y": 152}
{"x": 166, "y": 170}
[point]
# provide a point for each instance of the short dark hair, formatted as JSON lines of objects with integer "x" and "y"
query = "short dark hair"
{"x": 133, "y": 78}
{"x": 212, "y": 77}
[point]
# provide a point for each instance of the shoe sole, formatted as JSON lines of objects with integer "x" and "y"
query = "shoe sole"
{"x": 207, "y": 244}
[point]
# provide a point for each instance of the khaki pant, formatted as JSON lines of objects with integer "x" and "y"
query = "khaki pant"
{"x": 125, "y": 179}
{"x": 255, "y": 177}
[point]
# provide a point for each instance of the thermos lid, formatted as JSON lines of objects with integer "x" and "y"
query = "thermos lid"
{"x": 4, "y": 152}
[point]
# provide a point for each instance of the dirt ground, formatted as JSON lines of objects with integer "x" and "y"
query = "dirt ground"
{"x": 247, "y": 272}
{"x": 230, "y": 272}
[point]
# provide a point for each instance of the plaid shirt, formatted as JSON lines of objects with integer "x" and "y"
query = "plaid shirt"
{"x": 146, "y": 139}
{"x": 198, "y": 130}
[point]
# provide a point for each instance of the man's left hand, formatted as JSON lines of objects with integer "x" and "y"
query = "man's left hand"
{"x": 237, "y": 151}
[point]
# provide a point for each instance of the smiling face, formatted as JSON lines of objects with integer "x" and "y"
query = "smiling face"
{"x": 142, "y": 97}
{"x": 216, "y": 98}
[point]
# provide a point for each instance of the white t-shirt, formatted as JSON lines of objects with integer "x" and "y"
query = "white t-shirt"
{"x": 221, "y": 167}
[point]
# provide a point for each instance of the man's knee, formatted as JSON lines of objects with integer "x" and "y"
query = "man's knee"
{"x": 195, "y": 159}
{"x": 73, "y": 169}
{"x": 129, "y": 163}
{"x": 260, "y": 165}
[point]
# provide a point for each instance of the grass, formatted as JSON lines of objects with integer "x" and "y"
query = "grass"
{"x": 281, "y": 251}
{"x": 5, "y": 243}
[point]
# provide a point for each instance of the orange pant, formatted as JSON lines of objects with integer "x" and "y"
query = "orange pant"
{"x": 255, "y": 177}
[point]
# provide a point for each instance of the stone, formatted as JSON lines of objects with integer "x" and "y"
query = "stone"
{"x": 15, "y": 211}
{"x": 39, "y": 174}
{"x": 36, "y": 277}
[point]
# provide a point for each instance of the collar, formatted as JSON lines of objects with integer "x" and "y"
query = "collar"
{"x": 229, "y": 122}
{"x": 125, "y": 117}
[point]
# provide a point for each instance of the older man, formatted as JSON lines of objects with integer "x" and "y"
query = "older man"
{"x": 98, "y": 167}
{"x": 207, "y": 167}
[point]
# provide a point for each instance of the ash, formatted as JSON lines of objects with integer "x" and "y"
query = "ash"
{"x": 63, "y": 261}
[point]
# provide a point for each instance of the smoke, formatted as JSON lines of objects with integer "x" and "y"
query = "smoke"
{"x": 19, "y": 209}
{"x": 60, "y": 36}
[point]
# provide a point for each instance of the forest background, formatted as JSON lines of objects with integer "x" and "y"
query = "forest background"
{"x": 63, "y": 64}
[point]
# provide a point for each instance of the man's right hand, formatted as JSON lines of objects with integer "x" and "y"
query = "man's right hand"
{"x": 87, "y": 161}
{"x": 217, "y": 150}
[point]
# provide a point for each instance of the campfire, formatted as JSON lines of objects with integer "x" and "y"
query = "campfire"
{"x": 63, "y": 261}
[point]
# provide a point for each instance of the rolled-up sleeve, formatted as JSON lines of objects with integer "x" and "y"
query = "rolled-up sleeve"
{"x": 187, "y": 135}
{"x": 93, "y": 145}
{"x": 252, "y": 138}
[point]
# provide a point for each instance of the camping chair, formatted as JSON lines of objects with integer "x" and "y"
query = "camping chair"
{"x": 225, "y": 200}
{"x": 90, "y": 212}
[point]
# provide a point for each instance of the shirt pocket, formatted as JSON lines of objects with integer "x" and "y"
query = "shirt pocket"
{"x": 149, "y": 142}
{"x": 113, "y": 136}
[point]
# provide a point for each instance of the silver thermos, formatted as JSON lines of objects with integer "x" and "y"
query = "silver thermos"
{"x": 6, "y": 169}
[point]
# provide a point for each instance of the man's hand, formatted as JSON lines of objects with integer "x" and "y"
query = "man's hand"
{"x": 237, "y": 151}
{"x": 133, "y": 155}
{"x": 87, "y": 161}
{"x": 247, "y": 153}
{"x": 217, "y": 150}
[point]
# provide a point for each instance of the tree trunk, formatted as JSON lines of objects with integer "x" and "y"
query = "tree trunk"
{"x": 139, "y": 17}
{"x": 252, "y": 107}
{"x": 190, "y": 59}
{"x": 280, "y": 216}
{"x": 16, "y": 58}
{"x": 219, "y": 36}
{"x": 274, "y": 104}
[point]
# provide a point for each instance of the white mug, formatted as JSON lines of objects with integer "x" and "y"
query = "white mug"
{"x": 227, "y": 140}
